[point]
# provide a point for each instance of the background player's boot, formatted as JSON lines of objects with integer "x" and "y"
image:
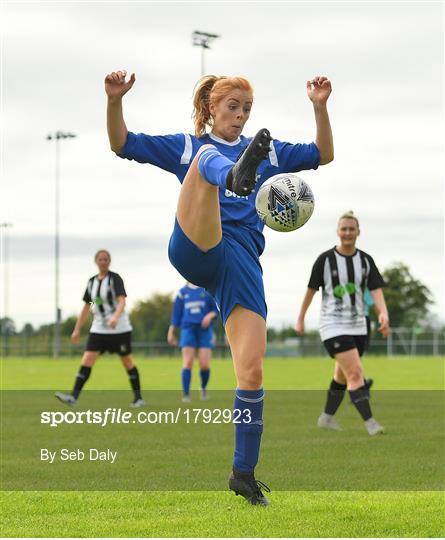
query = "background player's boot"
{"x": 186, "y": 398}
{"x": 329, "y": 422}
{"x": 66, "y": 398}
{"x": 137, "y": 402}
{"x": 242, "y": 176}
{"x": 204, "y": 395}
{"x": 244, "y": 484}
{"x": 373, "y": 427}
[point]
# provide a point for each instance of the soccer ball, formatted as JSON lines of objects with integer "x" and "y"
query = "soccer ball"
{"x": 284, "y": 202}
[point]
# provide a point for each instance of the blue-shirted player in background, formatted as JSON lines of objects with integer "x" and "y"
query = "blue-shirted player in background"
{"x": 217, "y": 238}
{"x": 194, "y": 311}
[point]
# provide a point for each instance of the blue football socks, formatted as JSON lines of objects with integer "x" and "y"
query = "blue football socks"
{"x": 205, "y": 374}
{"x": 186, "y": 378}
{"x": 248, "y": 434}
{"x": 214, "y": 167}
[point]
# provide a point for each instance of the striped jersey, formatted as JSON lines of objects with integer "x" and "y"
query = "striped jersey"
{"x": 191, "y": 305}
{"x": 102, "y": 295}
{"x": 344, "y": 279}
{"x": 175, "y": 153}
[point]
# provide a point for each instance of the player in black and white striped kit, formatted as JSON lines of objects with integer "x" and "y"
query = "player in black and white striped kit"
{"x": 344, "y": 273}
{"x": 111, "y": 329}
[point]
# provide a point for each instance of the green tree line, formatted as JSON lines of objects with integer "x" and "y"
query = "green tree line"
{"x": 407, "y": 298}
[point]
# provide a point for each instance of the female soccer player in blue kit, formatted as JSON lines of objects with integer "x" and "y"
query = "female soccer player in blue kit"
{"x": 194, "y": 311}
{"x": 217, "y": 238}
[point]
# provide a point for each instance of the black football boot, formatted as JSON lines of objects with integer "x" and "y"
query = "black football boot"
{"x": 242, "y": 176}
{"x": 244, "y": 484}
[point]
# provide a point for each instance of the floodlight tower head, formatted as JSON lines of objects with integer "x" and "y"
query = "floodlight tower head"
{"x": 60, "y": 135}
{"x": 203, "y": 39}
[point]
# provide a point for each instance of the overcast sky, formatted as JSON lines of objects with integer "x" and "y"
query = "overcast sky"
{"x": 385, "y": 61}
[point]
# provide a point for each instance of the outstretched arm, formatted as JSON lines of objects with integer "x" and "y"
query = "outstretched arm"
{"x": 318, "y": 91}
{"x": 116, "y": 88}
{"x": 299, "y": 326}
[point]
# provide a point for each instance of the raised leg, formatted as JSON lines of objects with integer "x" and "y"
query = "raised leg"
{"x": 198, "y": 211}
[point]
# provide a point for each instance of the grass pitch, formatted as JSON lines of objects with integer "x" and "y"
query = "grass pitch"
{"x": 219, "y": 513}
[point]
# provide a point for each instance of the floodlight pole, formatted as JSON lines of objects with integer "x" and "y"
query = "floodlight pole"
{"x": 202, "y": 61}
{"x": 203, "y": 40}
{"x": 58, "y": 315}
{"x": 5, "y": 263}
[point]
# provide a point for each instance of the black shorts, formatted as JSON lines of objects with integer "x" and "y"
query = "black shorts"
{"x": 112, "y": 343}
{"x": 339, "y": 344}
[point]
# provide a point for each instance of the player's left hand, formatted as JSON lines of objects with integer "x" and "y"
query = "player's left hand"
{"x": 75, "y": 336}
{"x": 299, "y": 327}
{"x": 112, "y": 323}
{"x": 318, "y": 90}
{"x": 384, "y": 325}
{"x": 207, "y": 320}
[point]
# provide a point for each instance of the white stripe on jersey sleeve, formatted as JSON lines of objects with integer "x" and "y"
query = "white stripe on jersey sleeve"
{"x": 328, "y": 299}
{"x": 358, "y": 271}
{"x": 111, "y": 285}
{"x": 187, "y": 154}
{"x": 104, "y": 294}
{"x": 94, "y": 287}
{"x": 273, "y": 155}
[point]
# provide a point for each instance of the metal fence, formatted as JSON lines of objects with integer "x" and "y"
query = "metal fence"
{"x": 401, "y": 342}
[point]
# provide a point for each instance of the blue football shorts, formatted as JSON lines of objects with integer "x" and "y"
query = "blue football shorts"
{"x": 197, "y": 337}
{"x": 230, "y": 272}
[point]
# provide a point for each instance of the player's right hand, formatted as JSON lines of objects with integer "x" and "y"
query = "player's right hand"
{"x": 299, "y": 328}
{"x": 171, "y": 339}
{"x": 75, "y": 336}
{"x": 115, "y": 84}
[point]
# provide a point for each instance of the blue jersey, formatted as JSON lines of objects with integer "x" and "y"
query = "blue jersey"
{"x": 191, "y": 305}
{"x": 174, "y": 153}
